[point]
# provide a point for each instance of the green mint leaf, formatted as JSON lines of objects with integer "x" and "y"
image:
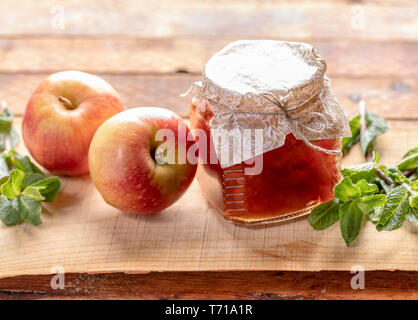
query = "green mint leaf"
{"x": 413, "y": 176}
{"x": 366, "y": 171}
{"x": 409, "y": 160}
{"x": 366, "y": 188}
{"x": 396, "y": 175}
{"x": 375, "y": 215}
{"x": 6, "y": 119}
{"x": 14, "y": 138}
{"x": 345, "y": 190}
{"x": 13, "y": 186}
{"x": 34, "y": 192}
{"x": 413, "y": 202}
{"x": 350, "y": 221}
{"x": 30, "y": 210}
{"x": 412, "y": 216}
{"x": 9, "y": 212}
{"x": 4, "y": 169}
{"x": 395, "y": 210}
{"x": 3, "y": 139}
{"x": 31, "y": 178}
{"x": 368, "y": 205}
{"x": 376, "y": 126}
{"x": 385, "y": 186}
{"x": 375, "y": 157}
{"x": 324, "y": 215}
{"x": 376, "y": 200}
{"x": 366, "y": 166}
{"x": 410, "y": 152}
{"x": 366, "y": 209}
{"x": 348, "y": 142}
{"x": 20, "y": 162}
{"x": 50, "y": 188}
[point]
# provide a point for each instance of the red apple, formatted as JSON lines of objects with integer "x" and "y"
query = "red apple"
{"x": 126, "y": 160}
{"x": 62, "y": 116}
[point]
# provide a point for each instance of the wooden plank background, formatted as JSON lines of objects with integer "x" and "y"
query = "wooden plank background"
{"x": 151, "y": 51}
{"x": 268, "y": 285}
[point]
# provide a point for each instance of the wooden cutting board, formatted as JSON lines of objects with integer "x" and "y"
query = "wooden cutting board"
{"x": 81, "y": 233}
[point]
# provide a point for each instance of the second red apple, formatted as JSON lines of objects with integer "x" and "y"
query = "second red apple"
{"x": 126, "y": 154}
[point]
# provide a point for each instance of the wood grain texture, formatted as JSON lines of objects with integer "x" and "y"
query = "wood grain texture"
{"x": 83, "y": 234}
{"x": 239, "y": 18}
{"x": 392, "y": 98}
{"x": 171, "y": 55}
{"x": 216, "y": 285}
{"x": 143, "y": 48}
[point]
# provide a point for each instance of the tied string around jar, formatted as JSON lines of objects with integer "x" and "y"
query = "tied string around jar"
{"x": 294, "y": 124}
{"x": 293, "y": 121}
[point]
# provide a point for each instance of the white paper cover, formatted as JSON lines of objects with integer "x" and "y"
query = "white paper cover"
{"x": 239, "y": 79}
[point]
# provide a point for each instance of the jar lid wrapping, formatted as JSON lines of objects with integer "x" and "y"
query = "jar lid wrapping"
{"x": 243, "y": 81}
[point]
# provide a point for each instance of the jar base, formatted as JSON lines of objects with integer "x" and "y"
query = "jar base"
{"x": 212, "y": 191}
{"x": 269, "y": 221}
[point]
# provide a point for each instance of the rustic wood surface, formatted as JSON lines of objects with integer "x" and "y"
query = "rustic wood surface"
{"x": 219, "y": 285}
{"x": 150, "y": 51}
{"x": 81, "y": 233}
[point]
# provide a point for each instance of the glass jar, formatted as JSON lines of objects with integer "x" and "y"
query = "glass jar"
{"x": 299, "y": 168}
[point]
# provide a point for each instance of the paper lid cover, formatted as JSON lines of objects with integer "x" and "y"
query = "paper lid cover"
{"x": 239, "y": 78}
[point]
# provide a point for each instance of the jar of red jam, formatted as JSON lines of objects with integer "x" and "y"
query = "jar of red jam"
{"x": 268, "y": 130}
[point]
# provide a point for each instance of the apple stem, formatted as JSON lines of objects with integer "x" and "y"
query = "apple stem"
{"x": 67, "y": 103}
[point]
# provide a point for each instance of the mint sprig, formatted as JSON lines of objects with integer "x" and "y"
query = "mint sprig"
{"x": 395, "y": 210}
{"x": 23, "y": 186}
{"x": 409, "y": 161}
{"x": 375, "y": 126}
{"x": 383, "y": 195}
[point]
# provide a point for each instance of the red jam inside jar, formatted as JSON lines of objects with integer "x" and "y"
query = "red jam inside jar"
{"x": 293, "y": 180}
